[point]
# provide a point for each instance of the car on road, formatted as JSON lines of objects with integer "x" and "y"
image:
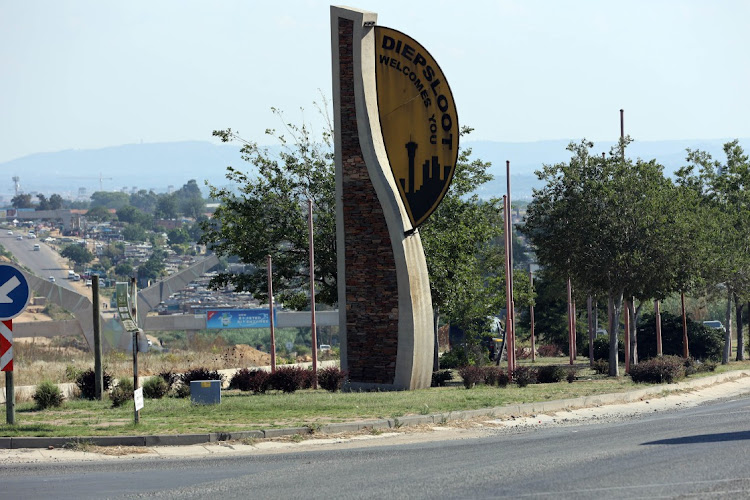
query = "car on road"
{"x": 325, "y": 347}
{"x": 36, "y": 247}
{"x": 19, "y": 237}
{"x": 10, "y": 233}
{"x": 714, "y": 324}
{"x": 52, "y": 279}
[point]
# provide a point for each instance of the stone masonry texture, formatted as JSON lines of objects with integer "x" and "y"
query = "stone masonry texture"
{"x": 371, "y": 283}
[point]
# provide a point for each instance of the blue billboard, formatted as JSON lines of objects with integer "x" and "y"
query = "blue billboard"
{"x": 239, "y": 318}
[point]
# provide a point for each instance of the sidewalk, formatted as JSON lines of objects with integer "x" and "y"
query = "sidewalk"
{"x": 648, "y": 399}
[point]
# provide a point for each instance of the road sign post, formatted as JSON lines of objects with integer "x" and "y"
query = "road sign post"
{"x": 14, "y": 297}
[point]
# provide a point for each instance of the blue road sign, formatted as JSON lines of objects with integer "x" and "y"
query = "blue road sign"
{"x": 14, "y": 291}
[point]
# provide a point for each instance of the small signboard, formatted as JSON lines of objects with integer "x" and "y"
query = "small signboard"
{"x": 138, "y": 397}
{"x": 123, "y": 307}
{"x": 238, "y": 318}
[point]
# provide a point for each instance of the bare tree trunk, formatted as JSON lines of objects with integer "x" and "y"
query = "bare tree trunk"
{"x": 728, "y": 332}
{"x": 615, "y": 305}
{"x": 738, "y": 307}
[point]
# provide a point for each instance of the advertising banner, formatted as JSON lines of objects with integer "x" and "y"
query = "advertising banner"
{"x": 239, "y": 318}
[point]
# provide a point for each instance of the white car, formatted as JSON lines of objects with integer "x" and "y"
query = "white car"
{"x": 10, "y": 233}
{"x": 19, "y": 237}
{"x": 52, "y": 279}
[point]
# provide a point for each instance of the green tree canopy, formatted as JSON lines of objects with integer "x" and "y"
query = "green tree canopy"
{"x": 109, "y": 199}
{"x": 611, "y": 225}
{"x": 77, "y": 254}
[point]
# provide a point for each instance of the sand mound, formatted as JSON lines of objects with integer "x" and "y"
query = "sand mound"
{"x": 243, "y": 355}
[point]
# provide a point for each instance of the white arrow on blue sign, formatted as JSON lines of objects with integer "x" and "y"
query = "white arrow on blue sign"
{"x": 14, "y": 291}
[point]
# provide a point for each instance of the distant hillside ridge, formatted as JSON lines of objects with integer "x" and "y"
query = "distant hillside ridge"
{"x": 160, "y": 165}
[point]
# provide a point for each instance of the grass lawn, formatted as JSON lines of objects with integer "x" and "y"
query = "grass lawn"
{"x": 244, "y": 411}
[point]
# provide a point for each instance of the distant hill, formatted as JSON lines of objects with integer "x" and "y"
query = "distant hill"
{"x": 159, "y": 165}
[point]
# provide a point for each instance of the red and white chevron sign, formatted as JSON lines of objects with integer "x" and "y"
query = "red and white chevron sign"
{"x": 6, "y": 346}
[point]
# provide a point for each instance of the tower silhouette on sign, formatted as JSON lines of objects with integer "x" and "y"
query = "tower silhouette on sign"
{"x": 420, "y": 199}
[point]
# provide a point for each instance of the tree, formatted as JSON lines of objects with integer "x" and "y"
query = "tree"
{"x": 133, "y": 215}
{"x": 166, "y": 207}
{"x": 178, "y": 236}
{"x": 98, "y": 213}
{"x": 56, "y": 202}
{"x": 109, "y": 199}
{"x": 153, "y": 267}
{"x": 189, "y": 200}
{"x": 43, "y": 202}
{"x": 265, "y": 213}
{"x": 77, "y": 254}
{"x": 144, "y": 201}
{"x": 724, "y": 202}
{"x": 124, "y": 269}
{"x": 610, "y": 225}
{"x": 134, "y": 232}
{"x": 21, "y": 201}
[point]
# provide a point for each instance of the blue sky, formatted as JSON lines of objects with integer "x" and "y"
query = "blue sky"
{"x": 90, "y": 74}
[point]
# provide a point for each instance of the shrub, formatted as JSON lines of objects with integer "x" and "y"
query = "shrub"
{"x": 704, "y": 343}
{"x": 523, "y": 352}
{"x": 572, "y": 374}
{"x": 287, "y": 378}
{"x": 170, "y": 377}
{"x": 48, "y": 395}
{"x": 86, "y": 383}
{"x": 549, "y": 374}
{"x": 491, "y": 374}
{"x": 454, "y": 358}
{"x": 601, "y": 348}
{"x": 240, "y": 380}
{"x": 658, "y": 370}
{"x": 524, "y": 375}
{"x": 471, "y": 375}
{"x": 549, "y": 351}
{"x": 308, "y": 378}
{"x": 600, "y": 366}
{"x": 441, "y": 377}
{"x": 155, "y": 387}
{"x": 122, "y": 392}
{"x": 331, "y": 378}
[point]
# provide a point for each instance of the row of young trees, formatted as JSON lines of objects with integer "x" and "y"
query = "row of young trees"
{"x": 621, "y": 229}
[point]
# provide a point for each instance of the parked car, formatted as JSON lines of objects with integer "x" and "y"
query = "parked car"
{"x": 325, "y": 347}
{"x": 714, "y": 324}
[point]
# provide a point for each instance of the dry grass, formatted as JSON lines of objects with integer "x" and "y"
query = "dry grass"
{"x": 35, "y": 362}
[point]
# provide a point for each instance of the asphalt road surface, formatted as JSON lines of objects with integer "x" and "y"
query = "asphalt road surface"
{"x": 43, "y": 262}
{"x": 699, "y": 452}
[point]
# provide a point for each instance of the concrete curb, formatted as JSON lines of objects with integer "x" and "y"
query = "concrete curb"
{"x": 394, "y": 423}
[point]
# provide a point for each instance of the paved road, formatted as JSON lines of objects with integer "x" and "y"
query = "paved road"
{"x": 43, "y": 262}
{"x": 694, "y": 453}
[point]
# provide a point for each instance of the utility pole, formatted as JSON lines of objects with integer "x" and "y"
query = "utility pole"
{"x": 270, "y": 310}
{"x": 313, "y": 325}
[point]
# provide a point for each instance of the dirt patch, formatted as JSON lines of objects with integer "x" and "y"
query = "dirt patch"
{"x": 244, "y": 355}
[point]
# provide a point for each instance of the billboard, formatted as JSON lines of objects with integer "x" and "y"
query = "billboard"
{"x": 239, "y": 318}
{"x": 418, "y": 119}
